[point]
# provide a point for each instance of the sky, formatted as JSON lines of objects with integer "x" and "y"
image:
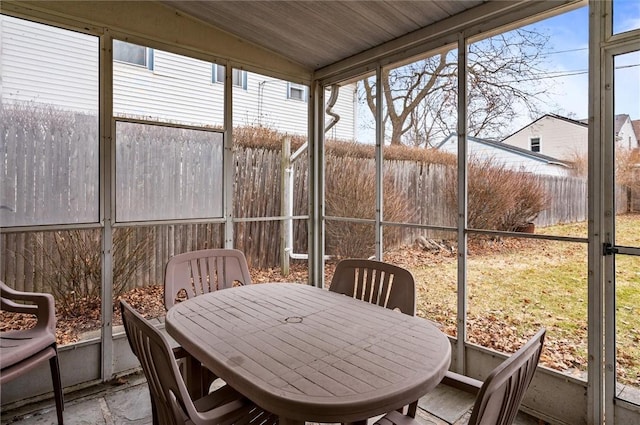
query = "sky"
{"x": 568, "y": 61}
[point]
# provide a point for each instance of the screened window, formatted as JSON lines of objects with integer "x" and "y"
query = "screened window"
{"x": 165, "y": 173}
{"x": 49, "y": 148}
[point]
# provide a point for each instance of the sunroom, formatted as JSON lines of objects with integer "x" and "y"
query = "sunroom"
{"x": 135, "y": 131}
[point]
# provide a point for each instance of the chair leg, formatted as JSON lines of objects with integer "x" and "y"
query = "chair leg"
{"x": 57, "y": 386}
{"x": 154, "y": 413}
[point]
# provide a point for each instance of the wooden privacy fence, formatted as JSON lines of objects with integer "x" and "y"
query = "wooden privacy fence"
{"x": 49, "y": 171}
{"x": 48, "y": 167}
{"x": 257, "y": 194}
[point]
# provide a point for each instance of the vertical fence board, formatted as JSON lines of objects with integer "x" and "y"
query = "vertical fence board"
{"x": 256, "y": 194}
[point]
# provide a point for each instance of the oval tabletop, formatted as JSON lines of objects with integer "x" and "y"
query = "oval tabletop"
{"x": 309, "y": 354}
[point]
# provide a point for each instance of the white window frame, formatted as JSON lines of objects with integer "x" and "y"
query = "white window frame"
{"x": 293, "y": 87}
{"x": 537, "y": 144}
{"x": 147, "y": 61}
{"x": 238, "y": 78}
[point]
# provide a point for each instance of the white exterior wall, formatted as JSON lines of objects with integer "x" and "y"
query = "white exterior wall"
{"x": 38, "y": 65}
{"x": 511, "y": 160}
{"x": 178, "y": 89}
{"x": 558, "y": 138}
{"x": 626, "y": 137}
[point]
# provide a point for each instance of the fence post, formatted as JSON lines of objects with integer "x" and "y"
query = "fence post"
{"x": 286, "y": 207}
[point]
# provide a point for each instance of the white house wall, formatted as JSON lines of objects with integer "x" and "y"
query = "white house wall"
{"x": 71, "y": 77}
{"x": 626, "y": 137}
{"x": 558, "y": 138}
{"x": 510, "y": 160}
{"x": 178, "y": 89}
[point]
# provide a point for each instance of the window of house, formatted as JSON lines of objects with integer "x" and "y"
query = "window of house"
{"x": 132, "y": 53}
{"x": 238, "y": 76}
{"x": 296, "y": 92}
{"x": 535, "y": 144}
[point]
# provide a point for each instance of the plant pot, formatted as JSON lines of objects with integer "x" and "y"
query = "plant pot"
{"x": 526, "y": 228}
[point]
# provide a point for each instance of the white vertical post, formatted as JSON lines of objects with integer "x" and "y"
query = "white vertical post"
{"x": 107, "y": 200}
{"x": 286, "y": 206}
{"x": 595, "y": 341}
{"x": 229, "y": 169}
{"x": 316, "y": 185}
{"x": 461, "y": 329}
{"x": 379, "y": 157}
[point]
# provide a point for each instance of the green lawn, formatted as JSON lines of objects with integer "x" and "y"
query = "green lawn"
{"x": 516, "y": 286}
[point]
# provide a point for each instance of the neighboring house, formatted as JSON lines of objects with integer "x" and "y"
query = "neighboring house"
{"x": 626, "y": 136}
{"x": 511, "y": 157}
{"x": 150, "y": 83}
{"x": 565, "y": 138}
{"x": 552, "y": 135}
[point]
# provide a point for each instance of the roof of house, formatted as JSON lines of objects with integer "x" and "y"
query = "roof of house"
{"x": 581, "y": 123}
{"x": 512, "y": 149}
{"x": 620, "y": 120}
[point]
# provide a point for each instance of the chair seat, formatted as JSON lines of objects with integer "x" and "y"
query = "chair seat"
{"x": 15, "y": 346}
{"x": 170, "y": 400}
{"x": 25, "y": 349}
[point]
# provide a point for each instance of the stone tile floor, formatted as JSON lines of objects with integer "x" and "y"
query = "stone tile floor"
{"x": 128, "y": 403}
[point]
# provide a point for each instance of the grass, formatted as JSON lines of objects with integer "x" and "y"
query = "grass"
{"x": 516, "y": 286}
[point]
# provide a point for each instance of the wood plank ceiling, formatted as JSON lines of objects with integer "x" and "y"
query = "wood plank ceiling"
{"x": 318, "y": 33}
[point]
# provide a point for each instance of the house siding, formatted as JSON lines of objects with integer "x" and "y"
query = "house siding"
{"x": 558, "y": 138}
{"x": 626, "y": 137}
{"x": 510, "y": 160}
{"x": 37, "y": 65}
{"x": 178, "y": 89}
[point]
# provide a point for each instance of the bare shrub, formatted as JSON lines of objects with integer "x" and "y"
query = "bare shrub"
{"x": 266, "y": 138}
{"x": 351, "y": 193}
{"x": 627, "y": 168}
{"x": 70, "y": 263}
{"x": 627, "y": 173}
{"x": 499, "y": 198}
{"x": 579, "y": 164}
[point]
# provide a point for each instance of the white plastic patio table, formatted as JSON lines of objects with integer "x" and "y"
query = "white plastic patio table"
{"x": 307, "y": 354}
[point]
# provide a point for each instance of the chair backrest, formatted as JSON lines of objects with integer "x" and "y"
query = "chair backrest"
{"x": 203, "y": 271}
{"x": 377, "y": 282}
{"x": 168, "y": 393}
{"x": 502, "y": 392}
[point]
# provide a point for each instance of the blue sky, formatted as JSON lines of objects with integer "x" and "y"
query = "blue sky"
{"x": 568, "y": 62}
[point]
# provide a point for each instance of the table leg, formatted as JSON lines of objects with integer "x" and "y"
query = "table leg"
{"x": 194, "y": 377}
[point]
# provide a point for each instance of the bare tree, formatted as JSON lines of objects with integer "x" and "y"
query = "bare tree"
{"x": 505, "y": 79}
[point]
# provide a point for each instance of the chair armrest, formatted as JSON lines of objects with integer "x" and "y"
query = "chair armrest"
{"x": 9, "y": 305}
{"x": 42, "y": 305}
{"x": 462, "y": 382}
